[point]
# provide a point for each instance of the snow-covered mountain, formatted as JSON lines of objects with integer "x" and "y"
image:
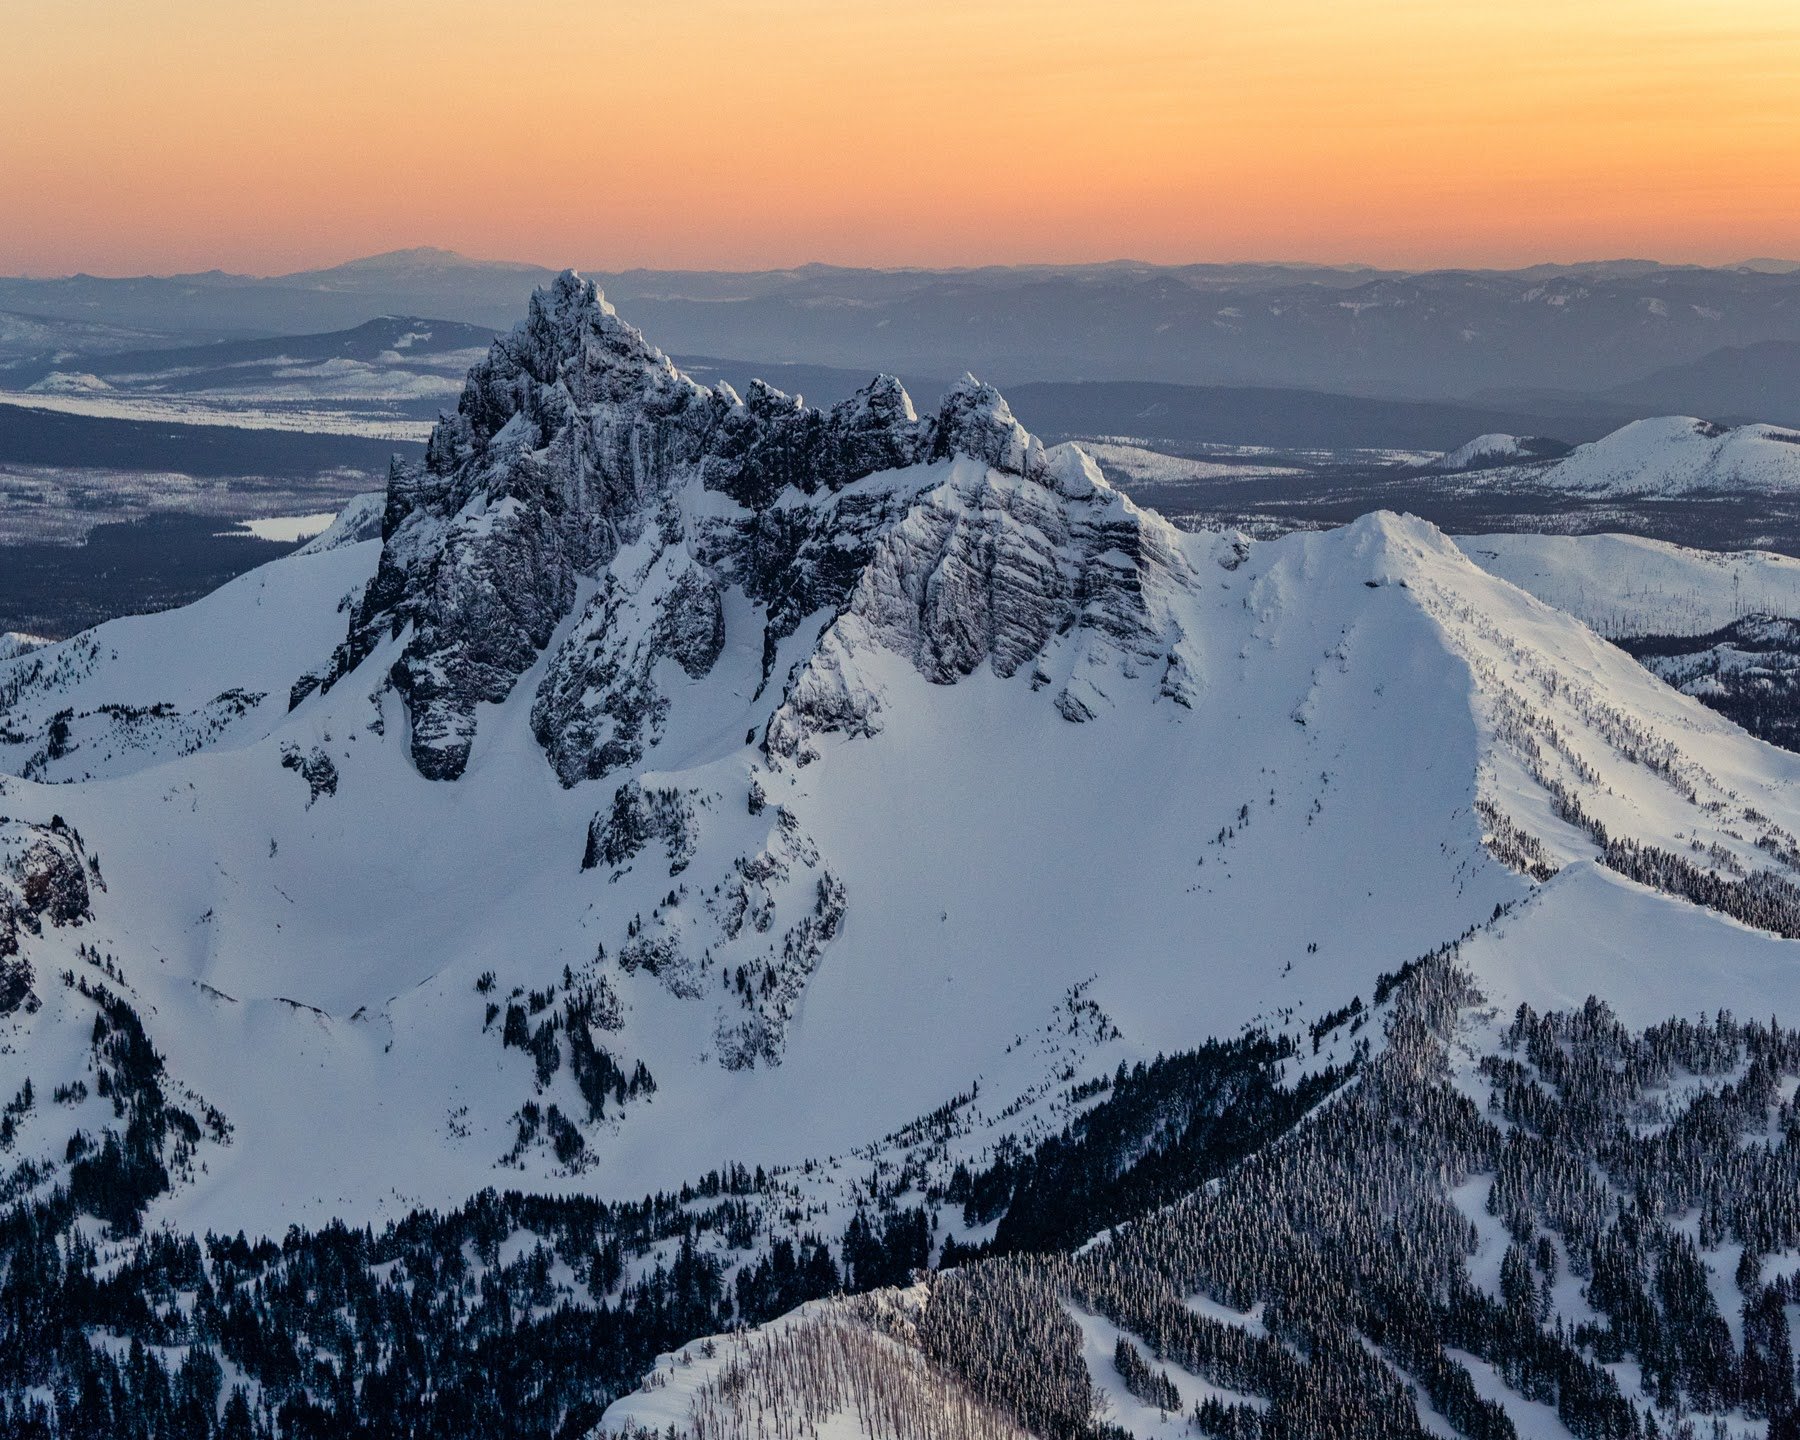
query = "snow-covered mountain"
{"x": 1485, "y": 452}
{"x": 1678, "y": 455}
{"x": 684, "y": 776}
{"x": 679, "y": 853}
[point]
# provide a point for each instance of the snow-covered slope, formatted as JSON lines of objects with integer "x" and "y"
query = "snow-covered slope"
{"x": 146, "y": 688}
{"x": 14, "y": 643}
{"x": 685, "y": 778}
{"x": 1627, "y": 585}
{"x": 1146, "y": 1331}
{"x": 1678, "y": 455}
{"x": 1487, "y": 451}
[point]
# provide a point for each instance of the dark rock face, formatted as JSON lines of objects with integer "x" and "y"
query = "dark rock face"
{"x": 315, "y": 767}
{"x": 43, "y": 876}
{"x": 598, "y": 706}
{"x": 565, "y": 437}
{"x": 1001, "y": 570}
{"x": 639, "y": 816}
{"x": 580, "y": 460}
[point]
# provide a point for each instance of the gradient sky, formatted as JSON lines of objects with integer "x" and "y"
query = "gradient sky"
{"x": 268, "y": 135}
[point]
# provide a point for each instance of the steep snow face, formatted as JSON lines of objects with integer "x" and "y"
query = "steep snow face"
{"x": 811, "y": 770}
{"x": 1678, "y": 455}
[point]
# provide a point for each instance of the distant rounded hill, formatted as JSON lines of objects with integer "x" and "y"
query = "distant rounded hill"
{"x": 1485, "y": 452}
{"x": 1680, "y": 455}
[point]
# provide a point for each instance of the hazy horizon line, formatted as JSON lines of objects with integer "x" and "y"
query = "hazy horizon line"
{"x": 1115, "y": 262}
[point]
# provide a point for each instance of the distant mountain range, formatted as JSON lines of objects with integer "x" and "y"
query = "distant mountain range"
{"x": 1739, "y": 382}
{"x": 215, "y": 305}
{"x": 1603, "y": 337}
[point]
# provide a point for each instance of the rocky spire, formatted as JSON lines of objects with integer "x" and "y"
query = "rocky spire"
{"x": 568, "y": 437}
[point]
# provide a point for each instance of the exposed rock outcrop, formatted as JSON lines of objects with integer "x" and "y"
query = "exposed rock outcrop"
{"x": 315, "y": 767}
{"x": 581, "y": 462}
{"x": 598, "y": 706}
{"x": 43, "y": 877}
{"x": 1003, "y": 569}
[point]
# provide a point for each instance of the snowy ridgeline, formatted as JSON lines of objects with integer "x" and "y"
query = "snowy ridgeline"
{"x": 801, "y": 818}
{"x": 1622, "y": 585}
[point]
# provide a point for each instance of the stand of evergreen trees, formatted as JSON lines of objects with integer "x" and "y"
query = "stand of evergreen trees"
{"x": 1750, "y": 669}
{"x": 1163, "y": 1129}
{"x": 1332, "y": 1212}
{"x": 1606, "y": 1149}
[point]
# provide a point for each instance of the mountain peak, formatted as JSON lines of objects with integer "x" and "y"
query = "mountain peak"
{"x": 975, "y": 420}
{"x": 575, "y": 438}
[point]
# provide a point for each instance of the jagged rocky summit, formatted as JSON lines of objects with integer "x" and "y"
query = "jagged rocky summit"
{"x": 589, "y": 499}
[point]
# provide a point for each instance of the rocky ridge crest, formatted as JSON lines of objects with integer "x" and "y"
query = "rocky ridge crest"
{"x": 589, "y": 500}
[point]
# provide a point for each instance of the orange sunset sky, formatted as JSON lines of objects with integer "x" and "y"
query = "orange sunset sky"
{"x": 268, "y": 135}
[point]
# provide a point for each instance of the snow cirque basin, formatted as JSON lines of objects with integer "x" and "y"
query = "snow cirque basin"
{"x": 1028, "y": 900}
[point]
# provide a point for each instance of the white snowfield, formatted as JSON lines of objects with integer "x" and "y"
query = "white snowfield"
{"x": 1679, "y": 455}
{"x": 1625, "y": 585}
